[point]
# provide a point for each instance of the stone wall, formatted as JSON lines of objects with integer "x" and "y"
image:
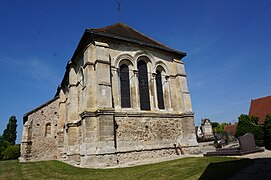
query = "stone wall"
{"x": 40, "y": 133}
{"x": 140, "y": 133}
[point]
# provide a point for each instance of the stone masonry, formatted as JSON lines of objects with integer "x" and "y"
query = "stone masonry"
{"x": 123, "y": 98}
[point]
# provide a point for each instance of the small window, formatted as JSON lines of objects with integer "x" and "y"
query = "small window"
{"x": 48, "y": 129}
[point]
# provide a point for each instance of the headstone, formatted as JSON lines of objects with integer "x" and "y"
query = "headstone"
{"x": 247, "y": 142}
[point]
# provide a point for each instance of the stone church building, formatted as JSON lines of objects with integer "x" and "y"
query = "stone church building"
{"x": 123, "y": 98}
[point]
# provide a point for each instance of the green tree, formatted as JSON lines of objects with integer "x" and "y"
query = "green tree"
{"x": 249, "y": 124}
{"x": 12, "y": 152}
{"x": 219, "y": 128}
{"x": 3, "y": 146}
{"x": 10, "y": 132}
{"x": 214, "y": 124}
{"x": 267, "y": 132}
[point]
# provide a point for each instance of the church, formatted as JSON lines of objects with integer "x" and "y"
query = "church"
{"x": 123, "y": 98}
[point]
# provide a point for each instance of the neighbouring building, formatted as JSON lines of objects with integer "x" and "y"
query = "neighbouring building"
{"x": 205, "y": 131}
{"x": 231, "y": 129}
{"x": 199, "y": 132}
{"x": 260, "y": 107}
{"x": 123, "y": 98}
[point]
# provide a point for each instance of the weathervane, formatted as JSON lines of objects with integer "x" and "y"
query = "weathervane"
{"x": 118, "y": 8}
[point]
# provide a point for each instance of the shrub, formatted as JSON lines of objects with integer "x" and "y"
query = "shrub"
{"x": 259, "y": 135}
{"x": 249, "y": 124}
{"x": 12, "y": 152}
{"x": 3, "y": 146}
{"x": 267, "y": 132}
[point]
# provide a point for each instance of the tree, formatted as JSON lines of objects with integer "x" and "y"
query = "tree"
{"x": 214, "y": 124}
{"x": 3, "y": 146}
{"x": 219, "y": 128}
{"x": 249, "y": 124}
{"x": 12, "y": 152}
{"x": 10, "y": 132}
{"x": 267, "y": 132}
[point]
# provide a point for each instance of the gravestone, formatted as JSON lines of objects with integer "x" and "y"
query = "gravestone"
{"x": 247, "y": 142}
{"x": 246, "y": 146}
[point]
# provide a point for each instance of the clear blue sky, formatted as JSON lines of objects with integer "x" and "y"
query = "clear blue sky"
{"x": 228, "y": 46}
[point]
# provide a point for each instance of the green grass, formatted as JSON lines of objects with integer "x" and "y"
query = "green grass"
{"x": 187, "y": 168}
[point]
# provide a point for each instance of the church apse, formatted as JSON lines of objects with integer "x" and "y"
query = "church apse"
{"x": 123, "y": 98}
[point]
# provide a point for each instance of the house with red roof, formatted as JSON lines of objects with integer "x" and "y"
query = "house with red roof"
{"x": 230, "y": 129}
{"x": 260, "y": 107}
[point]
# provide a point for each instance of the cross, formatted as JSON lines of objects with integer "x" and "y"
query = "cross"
{"x": 118, "y": 6}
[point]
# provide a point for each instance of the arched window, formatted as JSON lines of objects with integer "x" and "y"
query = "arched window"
{"x": 48, "y": 129}
{"x": 125, "y": 86}
{"x": 143, "y": 86}
{"x": 159, "y": 90}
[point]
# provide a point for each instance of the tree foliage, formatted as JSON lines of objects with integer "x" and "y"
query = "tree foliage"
{"x": 219, "y": 128}
{"x": 249, "y": 124}
{"x": 10, "y": 132}
{"x": 7, "y": 140}
{"x": 3, "y": 146}
{"x": 267, "y": 132}
{"x": 12, "y": 152}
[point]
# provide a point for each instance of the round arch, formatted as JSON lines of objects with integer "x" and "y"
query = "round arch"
{"x": 160, "y": 66}
{"x": 124, "y": 58}
{"x": 147, "y": 57}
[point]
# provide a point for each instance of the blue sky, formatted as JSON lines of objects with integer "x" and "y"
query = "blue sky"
{"x": 228, "y": 46}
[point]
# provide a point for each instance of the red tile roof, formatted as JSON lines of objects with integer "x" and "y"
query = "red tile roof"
{"x": 260, "y": 107}
{"x": 230, "y": 128}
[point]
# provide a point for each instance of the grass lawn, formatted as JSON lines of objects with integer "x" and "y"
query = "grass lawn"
{"x": 187, "y": 168}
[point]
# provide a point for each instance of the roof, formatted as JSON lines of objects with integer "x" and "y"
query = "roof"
{"x": 123, "y": 32}
{"x": 203, "y": 121}
{"x": 260, "y": 107}
{"x": 230, "y": 128}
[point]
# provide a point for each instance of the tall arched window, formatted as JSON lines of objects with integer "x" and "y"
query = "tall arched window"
{"x": 143, "y": 86}
{"x": 125, "y": 86}
{"x": 159, "y": 89}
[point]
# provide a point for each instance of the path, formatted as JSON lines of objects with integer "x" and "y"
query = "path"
{"x": 260, "y": 169}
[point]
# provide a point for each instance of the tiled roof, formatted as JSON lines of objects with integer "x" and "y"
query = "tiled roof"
{"x": 124, "y": 32}
{"x": 230, "y": 128}
{"x": 260, "y": 107}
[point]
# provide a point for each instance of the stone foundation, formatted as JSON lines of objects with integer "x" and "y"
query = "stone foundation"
{"x": 132, "y": 157}
{"x": 137, "y": 137}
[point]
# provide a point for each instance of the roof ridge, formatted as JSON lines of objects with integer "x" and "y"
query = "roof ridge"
{"x": 106, "y": 27}
{"x": 261, "y": 97}
{"x": 144, "y": 35}
{"x": 128, "y": 28}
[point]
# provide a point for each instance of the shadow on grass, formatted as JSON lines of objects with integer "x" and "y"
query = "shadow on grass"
{"x": 223, "y": 170}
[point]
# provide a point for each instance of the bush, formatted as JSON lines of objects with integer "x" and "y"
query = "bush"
{"x": 267, "y": 132}
{"x": 12, "y": 152}
{"x": 249, "y": 124}
{"x": 3, "y": 146}
{"x": 259, "y": 135}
